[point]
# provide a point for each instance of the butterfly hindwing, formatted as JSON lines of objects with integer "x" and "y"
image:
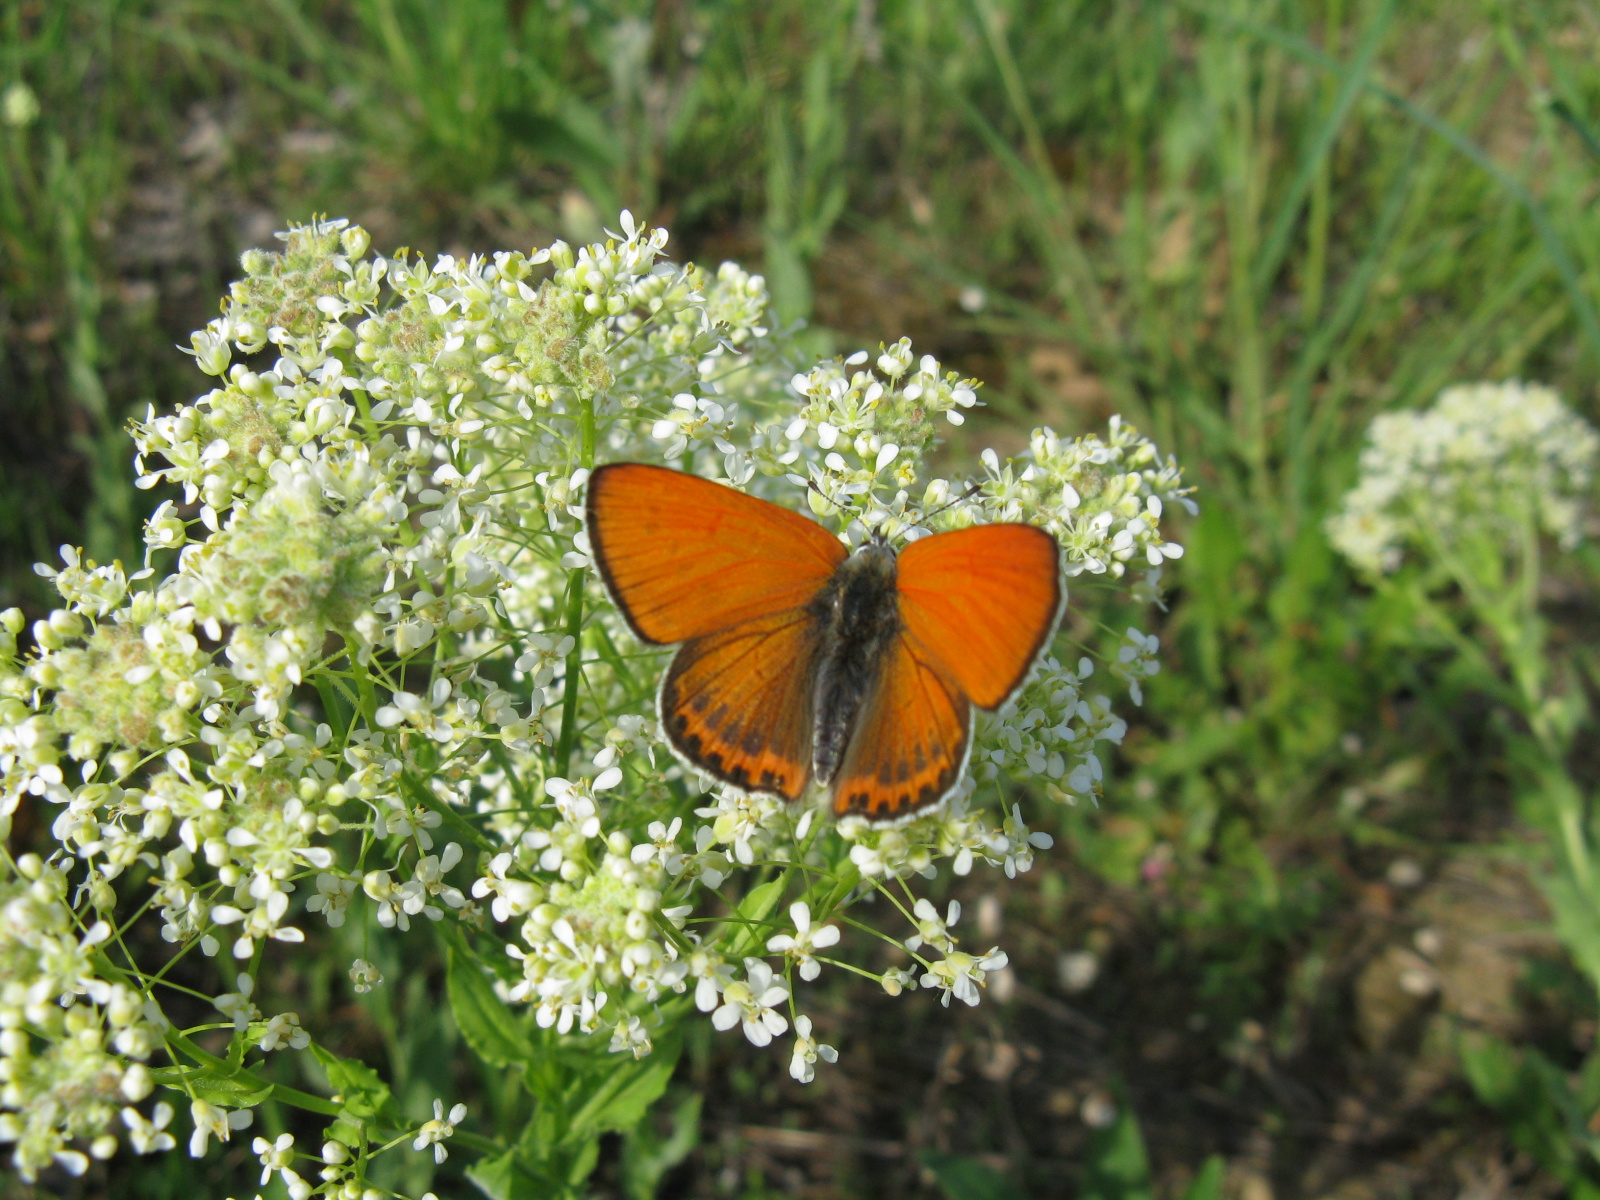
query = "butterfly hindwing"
{"x": 684, "y": 557}
{"x": 910, "y": 745}
{"x": 738, "y": 703}
{"x": 982, "y": 602}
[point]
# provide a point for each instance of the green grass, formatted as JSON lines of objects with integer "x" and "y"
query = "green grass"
{"x": 1248, "y": 226}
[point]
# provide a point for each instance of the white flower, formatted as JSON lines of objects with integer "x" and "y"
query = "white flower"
{"x": 433, "y": 1133}
{"x": 277, "y": 1156}
{"x": 512, "y": 897}
{"x": 274, "y": 1156}
{"x": 333, "y": 894}
{"x": 711, "y": 976}
{"x": 662, "y": 846}
{"x": 1021, "y": 842}
{"x": 236, "y": 1006}
{"x": 284, "y": 1030}
{"x": 896, "y": 980}
{"x": 804, "y": 940}
{"x": 393, "y": 908}
{"x": 209, "y": 1121}
{"x": 930, "y": 929}
{"x": 753, "y": 1003}
{"x": 364, "y": 976}
{"x": 631, "y": 1035}
{"x": 802, "y": 1065}
{"x": 149, "y": 1136}
{"x": 960, "y": 974}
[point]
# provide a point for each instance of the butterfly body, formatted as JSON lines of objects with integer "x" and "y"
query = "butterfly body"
{"x": 859, "y": 617}
{"x": 799, "y": 662}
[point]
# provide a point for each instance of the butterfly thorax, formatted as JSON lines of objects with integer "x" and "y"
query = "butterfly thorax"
{"x": 858, "y": 614}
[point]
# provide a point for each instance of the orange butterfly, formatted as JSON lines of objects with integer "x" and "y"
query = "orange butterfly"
{"x": 800, "y": 661}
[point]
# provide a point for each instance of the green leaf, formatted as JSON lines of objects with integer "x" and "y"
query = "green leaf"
{"x": 962, "y": 1177}
{"x": 491, "y": 1029}
{"x": 225, "y": 1091}
{"x": 509, "y": 1177}
{"x": 1116, "y": 1167}
{"x": 626, "y": 1090}
{"x": 756, "y": 906}
{"x": 583, "y": 1162}
{"x": 1491, "y": 1069}
{"x": 1207, "y": 1184}
{"x": 360, "y": 1089}
{"x": 647, "y": 1157}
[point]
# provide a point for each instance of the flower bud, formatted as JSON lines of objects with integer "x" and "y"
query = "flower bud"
{"x": 136, "y": 1082}
{"x": 355, "y": 241}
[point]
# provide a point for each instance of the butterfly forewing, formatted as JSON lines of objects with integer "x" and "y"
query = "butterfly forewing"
{"x": 684, "y": 557}
{"x": 910, "y": 745}
{"x": 738, "y": 703}
{"x": 982, "y": 602}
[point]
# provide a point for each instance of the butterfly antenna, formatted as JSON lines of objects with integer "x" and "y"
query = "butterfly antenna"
{"x": 972, "y": 490}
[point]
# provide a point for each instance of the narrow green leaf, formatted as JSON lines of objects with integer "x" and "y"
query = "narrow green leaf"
{"x": 1491, "y": 1068}
{"x": 1318, "y": 146}
{"x": 756, "y": 906}
{"x": 647, "y": 1157}
{"x": 1116, "y": 1166}
{"x": 1207, "y": 1183}
{"x": 1560, "y": 257}
{"x": 214, "y": 1087}
{"x": 491, "y": 1029}
{"x": 626, "y": 1091}
{"x": 962, "y": 1177}
{"x": 583, "y": 1162}
{"x": 509, "y": 1177}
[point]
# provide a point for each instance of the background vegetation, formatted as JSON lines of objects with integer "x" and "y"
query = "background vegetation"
{"x": 1304, "y": 933}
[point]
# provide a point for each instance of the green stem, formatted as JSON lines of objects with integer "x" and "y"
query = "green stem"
{"x": 566, "y": 743}
{"x": 1321, "y": 214}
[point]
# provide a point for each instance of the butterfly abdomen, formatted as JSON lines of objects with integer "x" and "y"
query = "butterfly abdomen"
{"x": 858, "y": 613}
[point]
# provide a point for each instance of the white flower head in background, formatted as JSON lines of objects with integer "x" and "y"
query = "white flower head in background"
{"x": 1495, "y": 458}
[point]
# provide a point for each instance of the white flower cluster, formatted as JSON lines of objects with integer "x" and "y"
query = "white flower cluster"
{"x": 72, "y": 1046}
{"x": 366, "y": 674}
{"x": 1102, "y": 498}
{"x": 1509, "y": 457}
{"x": 1049, "y": 731}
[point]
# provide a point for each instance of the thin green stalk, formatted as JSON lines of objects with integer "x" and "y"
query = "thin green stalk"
{"x": 1321, "y": 213}
{"x": 1275, "y": 245}
{"x": 567, "y": 741}
{"x": 1561, "y": 258}
{"x": 1062, "y": 242}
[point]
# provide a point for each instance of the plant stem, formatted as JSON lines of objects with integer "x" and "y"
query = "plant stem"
{"x": 566, "y": 743}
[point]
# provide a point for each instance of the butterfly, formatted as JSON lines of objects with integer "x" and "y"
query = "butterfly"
{"x": 800, "y": 662}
